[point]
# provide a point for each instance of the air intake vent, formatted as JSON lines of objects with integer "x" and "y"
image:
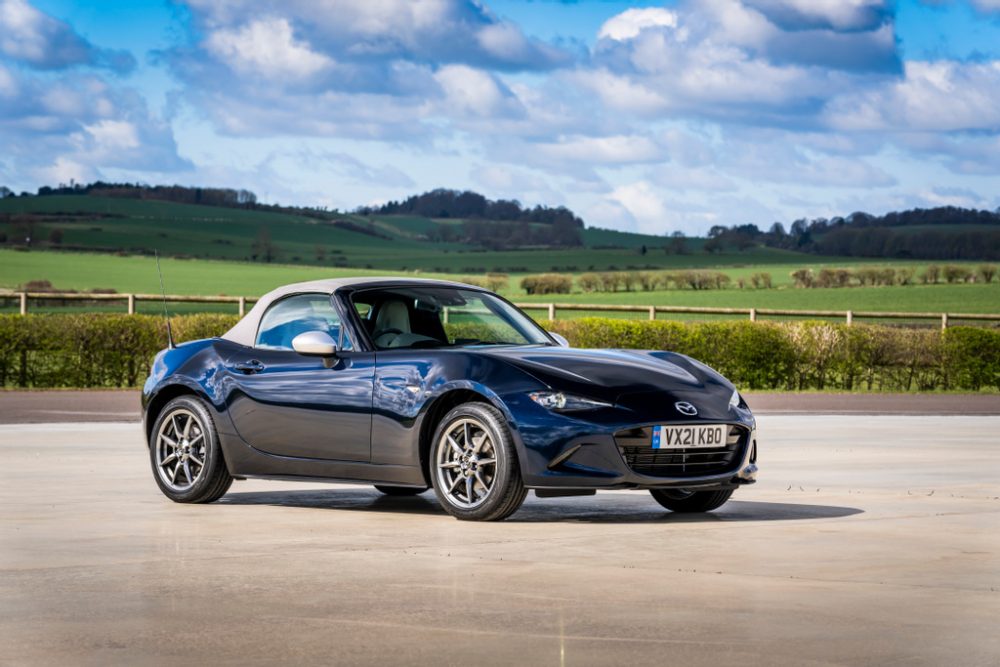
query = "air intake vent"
{"x": 636, "y": 447}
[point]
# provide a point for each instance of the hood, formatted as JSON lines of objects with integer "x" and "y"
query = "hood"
{"x": 624, "y": 377}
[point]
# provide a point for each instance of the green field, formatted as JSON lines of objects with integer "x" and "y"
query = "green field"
{"x": 206, "y": 251}
{"x": 85, "y": 271}
{"x": 137, "y": 226}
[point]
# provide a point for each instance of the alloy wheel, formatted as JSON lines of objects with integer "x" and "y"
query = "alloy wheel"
{"x": 466, "y": 463}
{"x": 181, "y": 448}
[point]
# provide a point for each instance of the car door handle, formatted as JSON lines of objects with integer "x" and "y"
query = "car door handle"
{"x": 249, "y": 367}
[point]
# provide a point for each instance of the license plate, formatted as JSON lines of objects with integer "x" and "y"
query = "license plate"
{"x": 690, "y": 437}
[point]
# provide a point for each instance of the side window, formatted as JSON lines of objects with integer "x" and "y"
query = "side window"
{"x": 294, "y": 315}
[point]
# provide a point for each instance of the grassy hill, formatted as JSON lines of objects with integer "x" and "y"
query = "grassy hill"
{"x": 394, "y": 242}
{"x": 106, "y": 242}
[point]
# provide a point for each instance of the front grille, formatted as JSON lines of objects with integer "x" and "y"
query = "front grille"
{"x": 636, "y": 447}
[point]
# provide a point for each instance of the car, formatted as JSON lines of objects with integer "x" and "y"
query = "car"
{"x": 410, "y": 384}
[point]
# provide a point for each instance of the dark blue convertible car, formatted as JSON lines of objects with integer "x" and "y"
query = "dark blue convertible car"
{"x": 410, "y": 384}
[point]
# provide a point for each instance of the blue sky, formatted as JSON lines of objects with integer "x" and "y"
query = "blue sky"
{"x": 644, "y": 116}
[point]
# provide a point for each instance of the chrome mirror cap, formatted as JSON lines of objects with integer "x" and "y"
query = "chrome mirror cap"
{"x": 315, "y": 344}
{"x": 560, "y": 339}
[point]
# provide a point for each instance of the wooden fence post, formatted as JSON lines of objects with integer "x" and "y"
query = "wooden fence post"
{"x": 24, "y": 303}
{"x": 445, "y": 315}
{"x": 243, "y": 306}
{"x": 753, "y": 314}
{"x": 944, "y": 321}
{"x": 652, "y": 313}
{"x": 131, "y": 304}
{"x": 850, "y": 317}
{"x": 552, "y": 311}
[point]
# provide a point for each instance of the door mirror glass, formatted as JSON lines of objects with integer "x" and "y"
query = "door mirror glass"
{"x": 315, "y": 344}
{"x": 560, "y": 339}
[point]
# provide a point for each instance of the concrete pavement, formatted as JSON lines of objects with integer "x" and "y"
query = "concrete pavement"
{"x": 868, "y": 541}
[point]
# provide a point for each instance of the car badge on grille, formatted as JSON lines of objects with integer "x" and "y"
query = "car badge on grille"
{"x": 686, "y": 408}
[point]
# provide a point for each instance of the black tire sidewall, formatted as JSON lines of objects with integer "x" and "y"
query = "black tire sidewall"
{"x": 698, "y": 501}
{"x": 508, "y": 491}
{"x": 213, "y": 453}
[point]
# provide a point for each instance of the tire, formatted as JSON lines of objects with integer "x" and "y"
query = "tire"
{"x": 691, "y": 501}
{"x": 400, "y": 490}
{"x": 460, "y": 453}
{"x": 188, "y": 483}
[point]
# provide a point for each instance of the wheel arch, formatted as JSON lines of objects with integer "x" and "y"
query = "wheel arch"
{"x": 163, "y": 396}
{"x": 439, "y": 407}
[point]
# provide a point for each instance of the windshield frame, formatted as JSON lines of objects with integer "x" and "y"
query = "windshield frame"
{"x": 346, "y": 296}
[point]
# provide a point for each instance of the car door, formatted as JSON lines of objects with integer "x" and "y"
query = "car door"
{"x": 288, "y": 404}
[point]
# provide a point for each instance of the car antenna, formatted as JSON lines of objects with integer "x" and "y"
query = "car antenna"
{"x": 170, "y": 334}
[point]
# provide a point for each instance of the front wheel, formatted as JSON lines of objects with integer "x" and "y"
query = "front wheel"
{"x": 185, "y": 454}
{"x": 680, "y": 500}
{"x": 474, "y": 465}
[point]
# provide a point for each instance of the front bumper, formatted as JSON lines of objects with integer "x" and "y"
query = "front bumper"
{"x": 604, "y": 452}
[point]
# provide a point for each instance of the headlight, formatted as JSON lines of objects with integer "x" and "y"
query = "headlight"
{"x": 735, "y": 400}
{"x": 557, "y": 400}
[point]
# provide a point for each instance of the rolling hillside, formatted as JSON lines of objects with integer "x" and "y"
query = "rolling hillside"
{"x": 386, "y": 242}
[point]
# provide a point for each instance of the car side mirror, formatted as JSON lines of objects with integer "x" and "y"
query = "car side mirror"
{"x": 559, "y": 339}
{"x": 315, "y": 344}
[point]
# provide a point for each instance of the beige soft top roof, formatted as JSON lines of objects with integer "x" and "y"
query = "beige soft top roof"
{"x": 245, "y": 331}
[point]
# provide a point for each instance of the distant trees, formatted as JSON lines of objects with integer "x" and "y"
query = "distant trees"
{"x": 714, "y": 244}
{"x": 445, "y": 203}
{"x": 5, "y": 192}
{"x": 862, "y": 234}
{"x": 496, "y": 225}
{"x": 229, "y": 197}
{"x": 263, "y": 249}
{"x": 678, "y": 244}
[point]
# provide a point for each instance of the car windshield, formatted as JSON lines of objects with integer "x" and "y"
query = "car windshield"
{"x": 424, "y": 317}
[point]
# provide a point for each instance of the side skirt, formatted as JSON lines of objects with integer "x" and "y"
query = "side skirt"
{"x": 242, "y": 460}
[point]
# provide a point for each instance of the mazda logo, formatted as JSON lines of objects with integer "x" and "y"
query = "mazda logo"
{"x": 686, "y": 408}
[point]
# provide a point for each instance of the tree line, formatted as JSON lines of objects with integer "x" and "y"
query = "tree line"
{"x": 445, "y": 203}
{"x": 892, "y": 235}
{"x": 493, "y": 224}
{"x": 228, "y": 197}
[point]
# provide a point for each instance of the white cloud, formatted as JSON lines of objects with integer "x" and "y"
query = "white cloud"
{"x": 680, "y": 179}
{"x": 619, "y": 149}
{"x": 64, "y": 170}
{"x": 941, "y": 96}
{"x": 445, "y": 31}
{"x": 113, "y": 135}
{"x": 632, "y": 21}
{"x": 471, "y": 90}
{"x": 39, "y": 40}
{"x": 643, "y": 202}
{"x": 266, "y": 46}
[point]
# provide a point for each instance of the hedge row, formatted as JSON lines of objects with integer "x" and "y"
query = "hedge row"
{"x": 109, "y": 350}
{"x": 92, "y": 349}
{"x": 812, "y": 355}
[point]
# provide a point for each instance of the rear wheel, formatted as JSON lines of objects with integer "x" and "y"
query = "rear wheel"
{"x": 185, "y": 454}
{"x": 474, "y": 465}
{"x": 681, "y": 500}
{"x": 400, "y": 490}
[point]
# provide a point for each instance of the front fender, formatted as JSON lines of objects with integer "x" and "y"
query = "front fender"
{"x": 409, "y": 388}
{"x": 190, "y": 368}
